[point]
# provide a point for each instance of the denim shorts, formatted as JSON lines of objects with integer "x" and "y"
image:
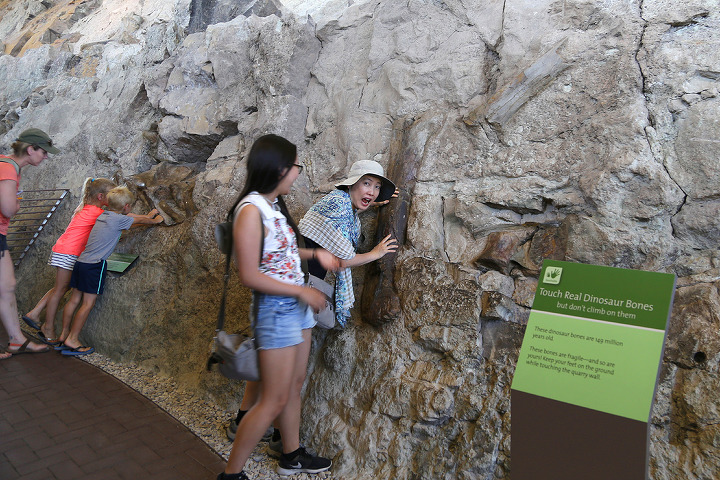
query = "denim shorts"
{"x": 280, "y": 321}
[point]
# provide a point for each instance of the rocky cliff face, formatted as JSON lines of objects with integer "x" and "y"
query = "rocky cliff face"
{"x": 576, "y": 130}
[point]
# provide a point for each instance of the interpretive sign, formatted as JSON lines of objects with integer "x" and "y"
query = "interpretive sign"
{"x": 591, "y": 351}
{"x": 120, "y": 262}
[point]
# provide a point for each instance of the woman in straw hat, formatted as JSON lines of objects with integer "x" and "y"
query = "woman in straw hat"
{"x": 333, "y": 224}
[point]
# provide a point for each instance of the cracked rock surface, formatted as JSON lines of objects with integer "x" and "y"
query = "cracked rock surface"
{"x": 564, "y": 129}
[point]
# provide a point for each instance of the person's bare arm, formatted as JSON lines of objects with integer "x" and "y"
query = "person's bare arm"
{"x": 152, "y": 218}
{"x": 327, "y": 260}
{"x": 9, "y": 202}
{"x": 386, "y": 245}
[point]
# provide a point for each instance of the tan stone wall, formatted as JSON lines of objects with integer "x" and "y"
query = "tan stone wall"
{"x": 575, "y": 130}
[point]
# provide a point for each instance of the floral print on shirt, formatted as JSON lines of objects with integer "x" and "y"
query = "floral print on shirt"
{"x": 283, "y": 261}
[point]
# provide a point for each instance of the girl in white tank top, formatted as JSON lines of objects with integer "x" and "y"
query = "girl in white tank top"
{"x": 273, "y": 272}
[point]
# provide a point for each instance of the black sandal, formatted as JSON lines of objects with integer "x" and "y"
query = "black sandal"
{"x": 23, "y": 348}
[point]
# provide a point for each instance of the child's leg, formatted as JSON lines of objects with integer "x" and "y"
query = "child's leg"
{"x": 62, "y": 284}
{"x": 34, "y": 314}
{"x": 88, "y": 302}
{"x": 69, "y": 311}
{"x": 252, "y": 391}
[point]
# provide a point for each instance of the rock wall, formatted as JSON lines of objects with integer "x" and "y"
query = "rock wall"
{"x": 576, "y": 130}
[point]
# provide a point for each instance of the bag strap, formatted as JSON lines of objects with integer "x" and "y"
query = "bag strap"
{"x": 226, "y": 278}
{"x": 11, "y": 162}
{"x": 303, "y": 263}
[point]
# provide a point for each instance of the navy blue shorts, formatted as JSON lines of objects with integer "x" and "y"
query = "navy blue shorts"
{"x": 89, "y": 277}
{"x": 3, "y": 245}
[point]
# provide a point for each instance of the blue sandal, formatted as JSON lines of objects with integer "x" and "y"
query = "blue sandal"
{"x": 76, "y": 352}
{"x": 47, "y": 340}
{"x": 30, "y": 322}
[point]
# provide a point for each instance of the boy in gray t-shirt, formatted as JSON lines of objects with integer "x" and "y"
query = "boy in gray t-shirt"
{"x": 90, "y": 270}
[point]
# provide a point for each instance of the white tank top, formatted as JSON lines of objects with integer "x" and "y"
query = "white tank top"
{"x": 281, "y": 257}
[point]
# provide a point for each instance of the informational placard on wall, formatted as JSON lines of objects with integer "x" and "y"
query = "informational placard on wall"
{"x": 594, "y": 340}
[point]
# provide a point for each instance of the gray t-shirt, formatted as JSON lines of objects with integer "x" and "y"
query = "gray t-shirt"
{"x": 104, "y": 236}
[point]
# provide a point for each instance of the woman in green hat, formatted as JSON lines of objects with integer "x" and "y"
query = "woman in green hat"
{"x": 30, "y": 148}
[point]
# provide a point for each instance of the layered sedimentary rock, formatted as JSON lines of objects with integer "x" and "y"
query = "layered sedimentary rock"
{"x": 574, "y": 130}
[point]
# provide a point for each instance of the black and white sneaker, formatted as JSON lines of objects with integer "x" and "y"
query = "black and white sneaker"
{"x": 231, "y": 431}
{"x": 274, "y": 448}
{"x": 300, "y": 461}
{"x": 233, "y": 476}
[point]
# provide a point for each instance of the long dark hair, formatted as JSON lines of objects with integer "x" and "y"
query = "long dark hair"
{"x": 268, "y": 157}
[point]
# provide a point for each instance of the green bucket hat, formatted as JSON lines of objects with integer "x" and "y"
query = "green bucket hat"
{"x": 36, "y": 137}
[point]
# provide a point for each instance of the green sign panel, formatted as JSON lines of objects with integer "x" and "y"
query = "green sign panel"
{"x": 595, "y": 337}
{"x": 119, "y": 262}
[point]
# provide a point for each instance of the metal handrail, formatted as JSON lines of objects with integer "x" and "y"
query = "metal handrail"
{"x": 21, "y": 234}
{"x": 34, "y": 212}
{"x": 17, "y": 231}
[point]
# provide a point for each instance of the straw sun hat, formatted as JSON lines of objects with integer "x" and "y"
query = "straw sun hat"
{"x": 369, "y": 167}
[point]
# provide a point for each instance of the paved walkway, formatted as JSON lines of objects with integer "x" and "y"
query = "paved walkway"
{"x": 62, "y": 418}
